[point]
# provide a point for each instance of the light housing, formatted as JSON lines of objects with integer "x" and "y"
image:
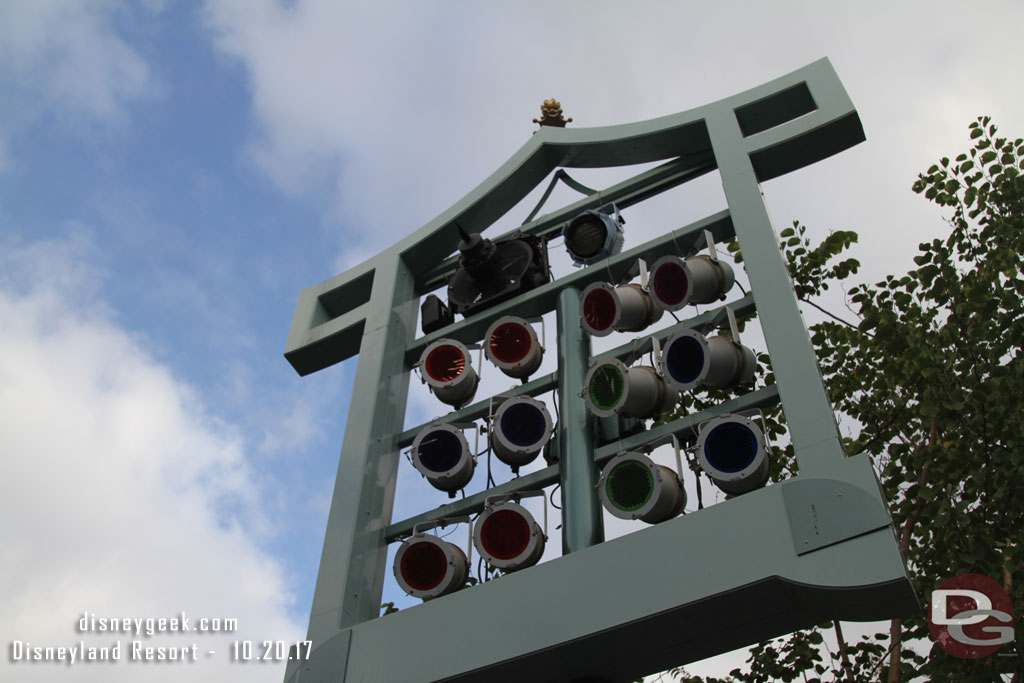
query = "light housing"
{"x": 427, "y": 567}
{"x": 512, "y": 345}
{"x": 611, "y": 388}
{"x": 593, "y": 236}
{"x": 632, "y": 486}
{"x": 689, "y": 359}
{"x": 442, "y": 455}
{"x": 605, "y": 308}
{"x": 507, "y": 537}
{"x": 731, "y": 450}
{"x": 490, "y": 272}
{"x": 447, "y": 368}
{"x": 520, "y": 429}
{"x": 676, "y": 282}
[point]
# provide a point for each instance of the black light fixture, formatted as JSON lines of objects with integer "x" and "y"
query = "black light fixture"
{"x": 490, "y": 272}
{"x": 593, "y": 236}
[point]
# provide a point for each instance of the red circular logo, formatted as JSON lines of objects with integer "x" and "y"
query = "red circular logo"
{"x": 970, "y": 616}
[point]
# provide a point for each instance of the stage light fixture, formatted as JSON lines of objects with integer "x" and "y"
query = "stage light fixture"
{"x": 689, "y": 359}
{"x": 507, "y": 537}
{"x": 519, "y": 431}
{"x": 611, "y": 388}
{"x": 677, "y": 282}
{"x": 434, "y": 314}
{"x": 441, "y": 453}
{"x": 731, "y": 450}
{"x": 605, "y": 308}
{"x": 512, "y": 345}
{"x": 427, "y": 567}
{"x": 632, "y": 486}
{"x": 447, "y": 368}
{"x": 492, "y": 272}
{"x": 593, "y": 236}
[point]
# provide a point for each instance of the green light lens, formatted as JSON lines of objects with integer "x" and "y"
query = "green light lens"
{"x": 607, "y": 386}
{"x": 629, "y": 486}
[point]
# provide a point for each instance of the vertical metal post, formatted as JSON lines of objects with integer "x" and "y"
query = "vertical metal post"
{"x": 582, "y": 523}
{"x": 354, "y": 559}
{"x": 812, "y": 423}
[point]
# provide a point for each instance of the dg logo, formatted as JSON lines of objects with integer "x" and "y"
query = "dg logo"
{"x": 970, "y": 616}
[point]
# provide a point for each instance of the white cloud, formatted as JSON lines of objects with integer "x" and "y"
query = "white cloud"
{"x": 122, "y": 496}
{"x": 65, "y": 59}
{"x": 390, "y": 113}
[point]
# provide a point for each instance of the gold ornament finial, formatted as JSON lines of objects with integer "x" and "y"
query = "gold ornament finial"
{"x": 551, "y": 114}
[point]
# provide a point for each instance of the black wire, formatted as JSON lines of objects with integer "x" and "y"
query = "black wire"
{"x": 552, "y": 497}
{"x": 490, "y": 479}
{"x": 741, "y": 288}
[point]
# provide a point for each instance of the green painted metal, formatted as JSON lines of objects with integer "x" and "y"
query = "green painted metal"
{"x": 820, "y": 515}
{"x": 582, "y": 523}
{"x": 813, "y": 548}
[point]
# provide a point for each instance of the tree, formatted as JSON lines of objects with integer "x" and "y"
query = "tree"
{"x": 928, "y": 369}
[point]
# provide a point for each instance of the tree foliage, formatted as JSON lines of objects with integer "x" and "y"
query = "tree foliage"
{"x": 926, "y": 369}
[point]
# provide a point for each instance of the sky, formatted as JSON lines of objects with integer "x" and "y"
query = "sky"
{"x": 173, "y": 174}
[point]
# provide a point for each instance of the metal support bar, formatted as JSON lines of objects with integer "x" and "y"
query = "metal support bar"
{"x": 582, "y": 521}
{"x": 809, "y": 414}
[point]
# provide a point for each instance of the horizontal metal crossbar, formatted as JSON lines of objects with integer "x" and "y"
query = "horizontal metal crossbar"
{"x": 684, "y": 429}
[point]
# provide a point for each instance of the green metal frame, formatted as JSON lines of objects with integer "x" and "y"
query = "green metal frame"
{"x": 816, "y": 547}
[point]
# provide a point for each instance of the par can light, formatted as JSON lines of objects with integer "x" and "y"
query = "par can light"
{"x": 448, "y": 370}
{"x": 512, "y": 345}
{"x": 593, "y": 236}
{"x": 677, "y": 282}
{"x": 605, "y": 309}
{"x": 507, "y": 537}
{"x": 632, "y": 486}
{"x": 441, "y": 454}
{"x": 427, "y": 567}
{"x": 521, "y": 428}
{"x": 689, "y": 359}
{"x": 611, "y": 388}
{"x": 731, "y": 450}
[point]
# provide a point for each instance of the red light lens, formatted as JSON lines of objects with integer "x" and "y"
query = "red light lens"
{"x": 670, "y": 283}
{"x": 510, "y": 343}
{"x": 424, "y": 566}
{"x": 599, "y": 309}
{"x": 505, "y": 534}
{"x": 445, "y": 363}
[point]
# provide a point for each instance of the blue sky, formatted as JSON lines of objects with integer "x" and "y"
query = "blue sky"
{"x": 172, "y": 174}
